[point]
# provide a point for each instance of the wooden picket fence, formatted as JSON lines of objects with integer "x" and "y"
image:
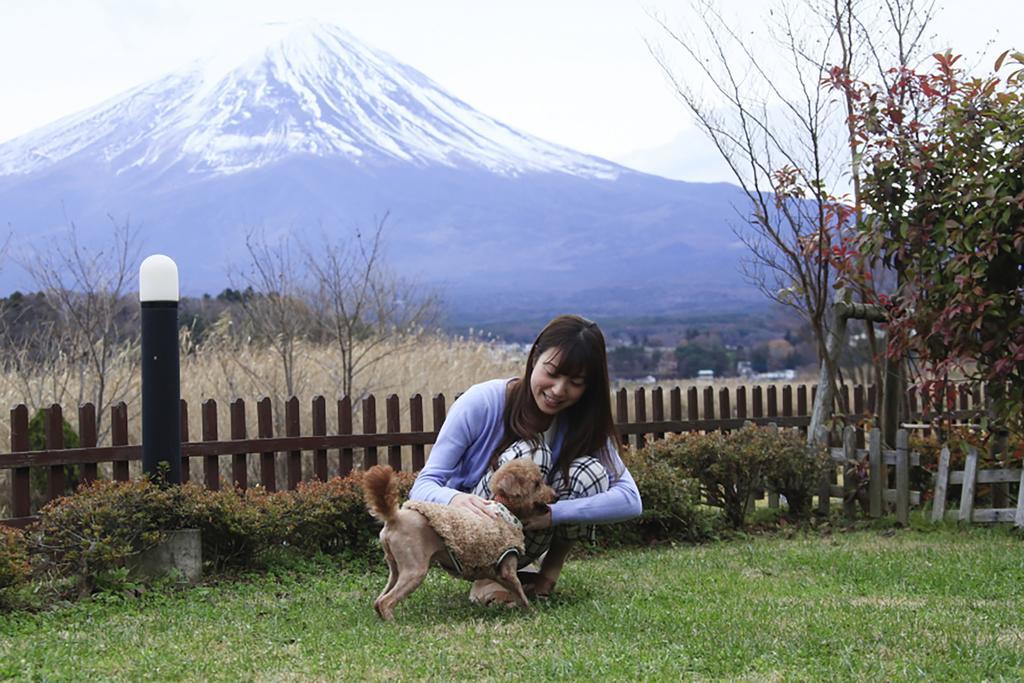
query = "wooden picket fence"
{"x": 969, "y": 478}
{"x": 650, "y": 415}
{"x": 867, "y": 471}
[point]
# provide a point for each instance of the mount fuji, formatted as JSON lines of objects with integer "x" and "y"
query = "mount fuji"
{"x": 309, "y": 131}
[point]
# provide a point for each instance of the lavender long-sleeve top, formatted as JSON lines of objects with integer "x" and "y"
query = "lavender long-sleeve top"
{"x": 473, "y": 430}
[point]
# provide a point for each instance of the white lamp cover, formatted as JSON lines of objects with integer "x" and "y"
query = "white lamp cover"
{"x": 158, "y": 279}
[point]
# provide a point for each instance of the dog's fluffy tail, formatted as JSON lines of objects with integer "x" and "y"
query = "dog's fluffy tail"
{"x": 380, "y": 490}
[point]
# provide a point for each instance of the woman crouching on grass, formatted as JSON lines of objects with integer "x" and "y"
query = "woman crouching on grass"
{"x": 559, "y": 414}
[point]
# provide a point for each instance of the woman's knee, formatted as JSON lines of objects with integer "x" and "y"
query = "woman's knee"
{"x": 586, "y": 477}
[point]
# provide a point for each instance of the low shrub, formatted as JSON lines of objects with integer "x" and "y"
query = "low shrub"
{"x": 14, "y": 565}
{"x": 89, "y": 536}
{"x": 790, "y": 468}
{"x": 91, "y": 533}
{"x": 236, "y": 526}
{"x": 728, "y": 471}
{"x": 331, "y": 517}
{"x": 672, "y": 509}
{"x": 732, "y": 467}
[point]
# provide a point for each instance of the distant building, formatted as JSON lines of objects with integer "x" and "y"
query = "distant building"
{"x": 705, "y": 374}
{"x": 744, "y": 368}
{"x": 777, "y": 374}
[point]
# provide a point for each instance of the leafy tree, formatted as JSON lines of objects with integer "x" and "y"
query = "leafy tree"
{"x": 943, "y": 155}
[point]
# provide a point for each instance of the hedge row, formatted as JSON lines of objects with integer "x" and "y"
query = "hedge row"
{"x": 85, "y": 540}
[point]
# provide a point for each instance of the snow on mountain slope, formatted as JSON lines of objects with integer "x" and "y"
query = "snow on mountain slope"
{"x": 302, "y": 88}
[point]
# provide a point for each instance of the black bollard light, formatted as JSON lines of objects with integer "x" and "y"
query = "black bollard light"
{"x": 161, "y": 381}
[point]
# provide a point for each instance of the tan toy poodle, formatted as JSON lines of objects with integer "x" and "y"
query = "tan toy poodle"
{"x": 463, "y": 543}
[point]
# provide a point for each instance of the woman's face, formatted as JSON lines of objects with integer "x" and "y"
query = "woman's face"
{"x": 552, "y": 392}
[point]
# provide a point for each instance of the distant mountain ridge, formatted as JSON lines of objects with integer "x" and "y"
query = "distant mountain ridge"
{"x": 311, "y": 130}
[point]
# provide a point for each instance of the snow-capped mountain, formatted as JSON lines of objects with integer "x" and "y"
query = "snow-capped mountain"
{"x": 307, "y": 130}
{"x": 310, "y": 88}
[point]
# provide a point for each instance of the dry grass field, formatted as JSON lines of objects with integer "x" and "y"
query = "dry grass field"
{"x": 433, "y": 365}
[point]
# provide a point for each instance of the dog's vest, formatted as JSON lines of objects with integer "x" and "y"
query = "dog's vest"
{"x": 476, "y": 546}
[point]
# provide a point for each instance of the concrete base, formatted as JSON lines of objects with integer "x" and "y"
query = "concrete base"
{"x": 181, "y": 552}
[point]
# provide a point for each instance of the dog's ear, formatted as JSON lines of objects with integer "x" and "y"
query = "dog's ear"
{"x": 508, "y": 486}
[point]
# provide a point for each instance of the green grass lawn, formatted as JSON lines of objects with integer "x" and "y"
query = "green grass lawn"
{"x": 942, "y": 604}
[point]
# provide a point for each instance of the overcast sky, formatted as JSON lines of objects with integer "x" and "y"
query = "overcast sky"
{"x": 576, "y": 72}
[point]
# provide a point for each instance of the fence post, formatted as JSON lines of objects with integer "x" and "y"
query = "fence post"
{"x": 622, "y": 410}
{"x": 293, "y": 428}
{"x": 640, "y": 410}
{"x": 675, "y": 404}
{"x": 691, "y": 404}
{"x": 265, "y": 427}
{"x": 658, "y": 409}
{"x": 967, "y": 491}
{"x": 119, "y": 437}
{"x": 239, "y": 466}
{"x": 709, "y": 403}
{"x": 439, "y": 411}
{"x": 941, "y": 485}
{"x": 369, "y": 427}
{"x": 758, "y": 402}
{"x": 211, "y": 463}
{"x": 345, "y": 427}
{"x": 319, "y": 411}
{"x": 87, "y": 438}
{"x": 849, "y": 471}
{"x": 773, "y": 401}
{"x": 21, "y": 499}
{"x": 1018, "y": 517}
{"x": 876, "y": 473}
{"x": 54, "y": 424}
{"x": 393, "y": 425}
{"x": 902, "y": 478}
{"x": 416, "y": 425}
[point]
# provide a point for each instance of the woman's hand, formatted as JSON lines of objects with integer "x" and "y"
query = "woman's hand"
{"x": 539, "y": 522}
{"x": 475, "y": 504}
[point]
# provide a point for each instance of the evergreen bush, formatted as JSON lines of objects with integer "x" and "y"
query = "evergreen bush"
{"x": 732, "y": 467}
{"x": 90, "y": 535}
{"x": 37, "y": 442}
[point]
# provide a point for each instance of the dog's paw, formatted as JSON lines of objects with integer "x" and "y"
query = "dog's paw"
{"x": 535, "y": 585}
{"x": 383, "y": 611}
{"x": 490, "y": 593}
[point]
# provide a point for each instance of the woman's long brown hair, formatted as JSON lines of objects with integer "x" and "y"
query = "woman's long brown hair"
{"x": 589, "y": 420}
